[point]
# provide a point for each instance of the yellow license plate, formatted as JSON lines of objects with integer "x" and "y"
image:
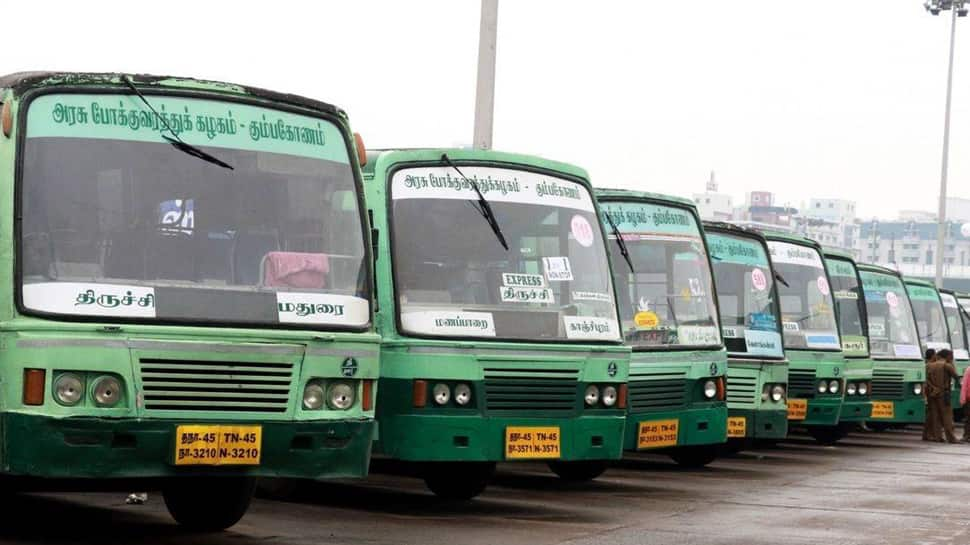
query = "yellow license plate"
{"x": 737, "y": 426}
{"x": 797, "y": 409}
{"x": 212, "y": 445}
{"x": 883, "y": 409}
{"x": 657, "y": 433}
{"x": 531, "y": 442}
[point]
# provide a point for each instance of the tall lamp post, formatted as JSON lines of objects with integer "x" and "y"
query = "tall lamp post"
{"x": 956, "y": 8}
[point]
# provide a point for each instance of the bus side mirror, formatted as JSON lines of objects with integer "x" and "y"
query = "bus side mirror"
{"x": 361, "y": 150}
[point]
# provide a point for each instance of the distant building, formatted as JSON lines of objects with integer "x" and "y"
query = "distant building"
{"x": 712, "y": 205}
{"x": 909, "y": 246}
{"x": 832, "y": 222}
{"x": 760, "y": 208}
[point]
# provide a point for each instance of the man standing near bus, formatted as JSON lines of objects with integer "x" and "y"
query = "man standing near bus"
{"x": 939, "y": 372}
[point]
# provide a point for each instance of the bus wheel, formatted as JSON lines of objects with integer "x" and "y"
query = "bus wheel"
{"x": 694, "y": 457}
{"x": 578, "y": 472}
{"x": 208, "y": 504}
{"x": 458, "y": 480}
{"x": 827, "y": 435}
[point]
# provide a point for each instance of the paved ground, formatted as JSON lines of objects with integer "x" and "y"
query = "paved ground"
{"x": 872, "y": 488}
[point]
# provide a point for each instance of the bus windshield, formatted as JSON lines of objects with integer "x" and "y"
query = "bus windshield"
{"x": 807, "y": 311}
{"x": 892, "y": 331}
{"x": 454, "y": 278}
{"x": 850, "y": 305}
{"x": 667, "y": 300}
{"x": 930, "y": 320}
{"x": 119, "y": 223}
{"x": 954, "y": 322}
{"x": 745, "y": 296}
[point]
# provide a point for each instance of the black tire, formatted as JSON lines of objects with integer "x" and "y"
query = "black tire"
{"x": 580, "y": 471}
{"x": 878, "y": 426}
{"x": 695, "y": 457}
{"x": 827, "y": 435}
{"x": 208, "y": 504}
{"x": 458, "y": 480}
{"x": 733, "y": 447}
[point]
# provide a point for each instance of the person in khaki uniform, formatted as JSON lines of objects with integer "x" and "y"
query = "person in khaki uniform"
{"x": 939, "y": 372}
{"x": 929, "y": 423}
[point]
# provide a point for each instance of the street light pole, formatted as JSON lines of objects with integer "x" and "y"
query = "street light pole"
{"x": 957, "y": 8}
{"x": 485, "y": 91}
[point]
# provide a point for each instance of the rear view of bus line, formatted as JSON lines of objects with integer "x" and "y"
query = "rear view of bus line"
{"x": 668, "y": 314}
{"x": 183, "y": 311}
{"x": 757, "y": 376}
{"x": 498, "y": 317}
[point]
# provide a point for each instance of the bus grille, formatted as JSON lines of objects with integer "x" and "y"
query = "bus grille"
{"x": 801, "y": 383}
{"x": 531, "y": 389}
{"x": 742, "y": 387}
{"x": 656, "y": 390}
{"x": 887, "y": 385}
{"x": 187, "y": 385}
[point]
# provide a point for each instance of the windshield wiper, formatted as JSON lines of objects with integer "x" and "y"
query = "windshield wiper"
{"x": 620, "y": 242}
{"x": 781, "y": 279}
{"x": 175, "y": 140}
{"x": 483, "y": 207}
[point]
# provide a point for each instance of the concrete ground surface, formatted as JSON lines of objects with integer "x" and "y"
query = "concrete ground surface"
{"x": 873, "y": 488}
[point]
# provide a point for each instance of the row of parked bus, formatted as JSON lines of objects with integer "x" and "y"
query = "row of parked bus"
{"x": 204, "y": 283}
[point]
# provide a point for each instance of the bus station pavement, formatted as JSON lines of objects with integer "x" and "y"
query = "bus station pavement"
{"x": 871, "y": 488}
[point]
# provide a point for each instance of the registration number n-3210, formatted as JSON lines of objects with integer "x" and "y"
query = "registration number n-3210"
{"x": 218, "y": 445}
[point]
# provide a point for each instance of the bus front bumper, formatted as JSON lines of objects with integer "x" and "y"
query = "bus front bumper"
{"x": 911, "y": 410}
{"x": 856, "y": 410}
{"x": 694, "y": 426}
{"x": 762, "y": 423}
{"x": 88, "y": 448}
{"x": 477, "y": 438}
{"x": 820, "y": 412}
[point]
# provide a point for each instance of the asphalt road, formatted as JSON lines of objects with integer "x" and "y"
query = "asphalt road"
{"x": 871, "y": 488}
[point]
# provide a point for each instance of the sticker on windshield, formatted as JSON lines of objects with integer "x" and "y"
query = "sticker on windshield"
{"x": 450, "y": 323}
{"x": 730, "y": 333}
{"x": 514, "y": 280}
{"x": 876, "y": 329}
{"x": 590, "y": 327}
{"x": 766, "y": 343}
{"x": 906, "y": 351}
{"x": 762, "y": 321}
{"x": 791, "y": 326}
{"x": 759, "y": 280}
{"x": 91, "y": 299}
{"x": 321, "y": 308}
{"x": 822, "y": 340}
{"x": 557, "y": 269}
{"x": 846, "y": 294}
{"x": 592, "y": 296}
{"x": 510, "y": 294}
{"x": 646, "y": 319}
{"x": 892, "y": 299}
{"x": 823, "y": 285}
{"x": 696, "y": 289}
{"x": 697, "y": 335}
{"x": 855, "y": 345}
{"x": 582, "y": 231}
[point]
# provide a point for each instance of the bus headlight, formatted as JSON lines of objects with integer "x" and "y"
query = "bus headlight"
{"x": 863, "y": 388}
{"x": 341, "y": 396}
{"x": 68, "y": 389}
{"x": 609, "y": 396}
{"x": 710, "y": 389}
{"x": 850, "y": 388}
{"x": 777, "y": 393}
{"x": 833, "y": 386}
{"x": 592, "y": 395}
{"x": 918, "y": 388}
{"x": 441, "y": 394}
{"x": 106, "y": 391}
{"x": 313, "y": 396}
{"x": 463, "y": 394}
{"x": 823, "y": 387}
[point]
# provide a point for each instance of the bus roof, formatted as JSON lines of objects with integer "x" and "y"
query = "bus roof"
{"x": 790, "y": 237}
{"x": 838, "y": 254}
{"x": 380, "y": 160}
{"x": 870, "y": 267}
{"x": 607, "y": 193}
{"x": 21, "y": 82}
{"x": 919, "y": 282}
{"x": 733, "y": 229}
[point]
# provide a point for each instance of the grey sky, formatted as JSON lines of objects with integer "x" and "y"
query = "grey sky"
{"x": 828, "y": 98}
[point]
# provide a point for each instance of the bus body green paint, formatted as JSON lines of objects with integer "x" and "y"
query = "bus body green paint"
{"x": 851, "y": 311}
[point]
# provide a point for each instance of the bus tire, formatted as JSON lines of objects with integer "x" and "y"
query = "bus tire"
{"x": 208, "y": 504}
{"x": 695, "y": 457}
{"x": 458, "y": 480}
{"x": 579, "y": 471}
{"x": 827, "y": 435}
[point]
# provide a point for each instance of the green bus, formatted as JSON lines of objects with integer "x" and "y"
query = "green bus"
{"x": 668, "y": 314}
{"x": 957, "y": 327}
{"x": 177, "y": 309}
{"x": 897, "y": 362}
{"x": 747, "y": 296}
{"x": 850, "y": 309}
{"x": 931, "y": 322}
{"x": 500, "y": 339}
{"x": 811, "y": 335}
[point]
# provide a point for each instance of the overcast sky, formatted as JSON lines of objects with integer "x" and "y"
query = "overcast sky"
{"x": 829, "y": 98}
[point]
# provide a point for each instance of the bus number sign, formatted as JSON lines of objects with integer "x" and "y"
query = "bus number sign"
{"x": 737, "y": 426}
{"x": 218, "y": 445}
{"x": 532, "y": 442}
{"x": 797, "y": 409}
{"x": 883, "y": 409}
{"x": 657, "y": 433}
